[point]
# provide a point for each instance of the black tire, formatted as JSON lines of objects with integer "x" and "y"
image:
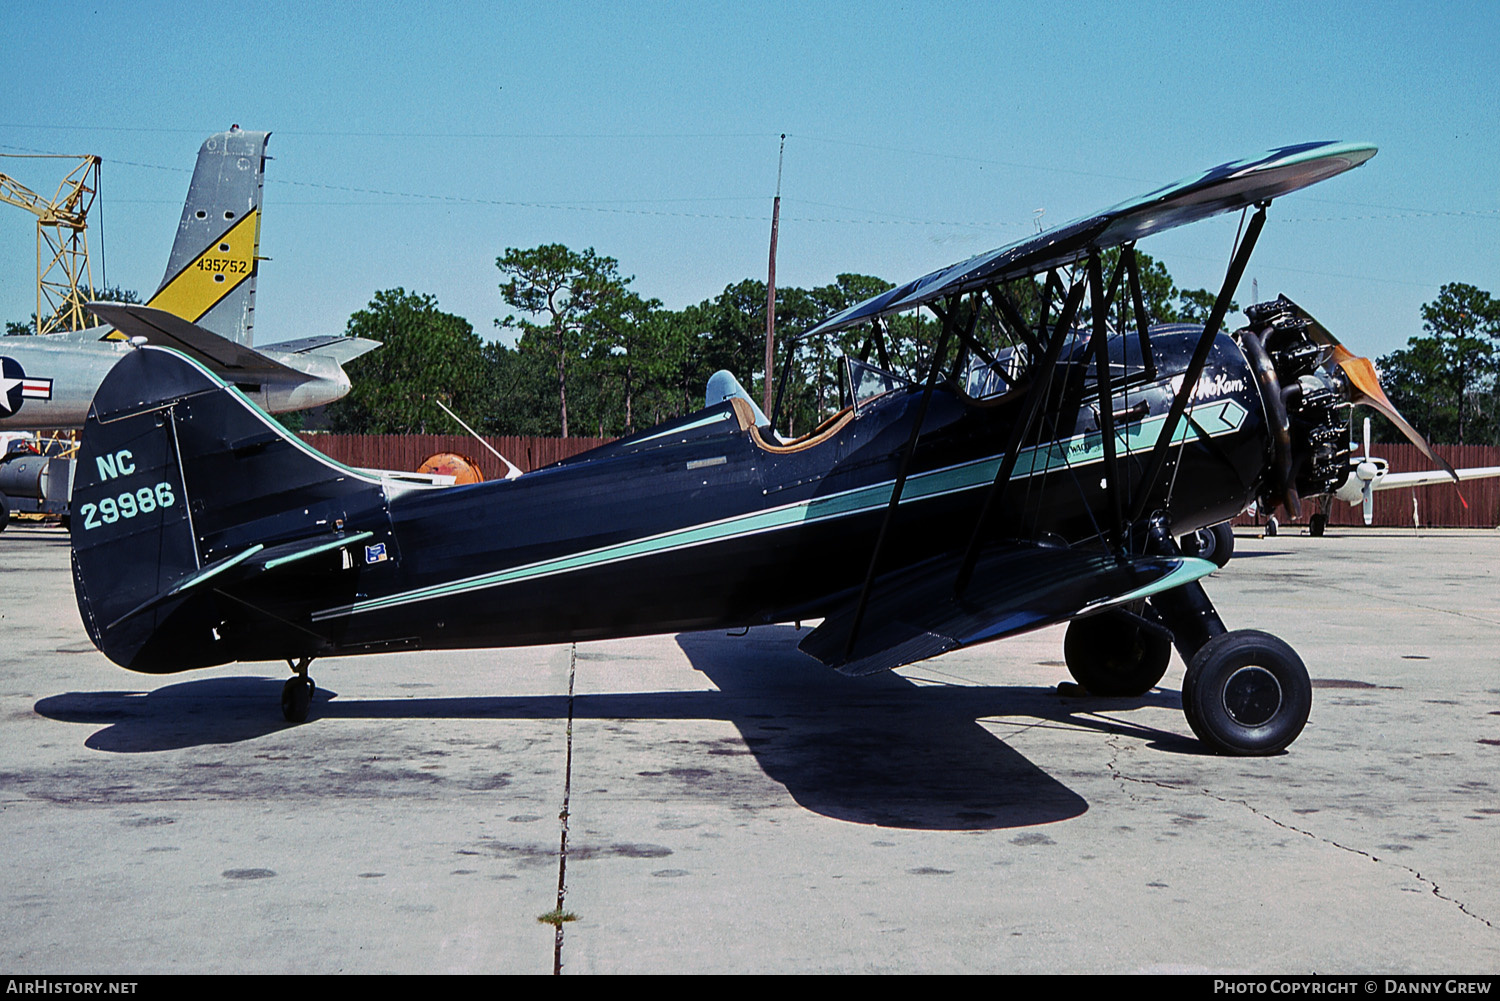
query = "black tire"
{"x": 1113, "y": 655}
{"x": 1215, "y": 544}
{"x": 1316, "y": 524}
{"x": 4, "y": 512}
{"x": 296, "y": 698}
{"x": 1246, "y": 693}
{"x": 1271, "y": 528}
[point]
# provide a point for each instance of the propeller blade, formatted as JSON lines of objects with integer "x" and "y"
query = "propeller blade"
{"x": 1364, "y": 385}
{"x": 1369, "y": 502}
{"x": 1367, "y": 438}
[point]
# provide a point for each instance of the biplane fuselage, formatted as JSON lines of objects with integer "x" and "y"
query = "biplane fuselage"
{"x": 703, "y": 522}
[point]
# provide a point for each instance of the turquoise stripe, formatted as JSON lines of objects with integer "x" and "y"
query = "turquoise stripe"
{"x": 715, "y": 419}
{"x": 1223, "y": 417}
{"x": 267, "y": 419}
{"x": 203, "y": 575}
{"x": 315, "y": 550}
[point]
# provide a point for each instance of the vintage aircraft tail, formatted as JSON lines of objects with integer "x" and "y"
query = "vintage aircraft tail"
{"x": 210, "y": 279}
{"x": 205, "y": 306}
{"x": 196, "y": 518}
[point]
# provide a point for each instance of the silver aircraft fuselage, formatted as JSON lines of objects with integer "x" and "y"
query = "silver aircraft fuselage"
{"x": 47, "y": 382}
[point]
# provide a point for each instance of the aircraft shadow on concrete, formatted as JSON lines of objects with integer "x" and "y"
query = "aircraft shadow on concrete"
{"x": 35, "y": 537}
{"x": 879, "y": 750}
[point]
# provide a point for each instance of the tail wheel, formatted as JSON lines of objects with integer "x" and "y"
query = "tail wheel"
{"x": 296, "y": 698}
{"x": 1114, "y": 655}
{"x": 1246, "y": 693}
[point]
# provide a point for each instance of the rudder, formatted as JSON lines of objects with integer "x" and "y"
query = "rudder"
{"x": 180, "y": 479}
{"x": 211, "y": 273}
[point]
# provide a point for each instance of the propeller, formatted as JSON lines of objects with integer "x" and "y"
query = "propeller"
{"x": 1367, "y": 472}
{"x": 1364, "y": 387}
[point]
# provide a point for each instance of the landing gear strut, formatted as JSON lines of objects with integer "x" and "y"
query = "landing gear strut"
{"x": 1245, "y": 692}
{"x": 297, "y": 693}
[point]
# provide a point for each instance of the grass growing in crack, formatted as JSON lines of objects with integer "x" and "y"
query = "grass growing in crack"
{"x": 556, "y": 917}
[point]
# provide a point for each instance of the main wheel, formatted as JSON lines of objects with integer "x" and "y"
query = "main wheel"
{"x": 4, "y": 512}
{"x": 1215, "y": 543}
{"x": 1113, "y": 655}
{"x": 1246, "y": 693}
{"x": 296, "y": 698}
{"x": 1316, "y": 524}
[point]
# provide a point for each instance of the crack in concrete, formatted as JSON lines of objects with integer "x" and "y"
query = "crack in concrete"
{"x": 1432, "y": 884}
{"x": 562, "y": 916}
{"x": 1407, "y": 602}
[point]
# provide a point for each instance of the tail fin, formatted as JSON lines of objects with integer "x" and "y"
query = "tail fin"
{"x": 210, "y": 277}
{"x": 181, "y": 481}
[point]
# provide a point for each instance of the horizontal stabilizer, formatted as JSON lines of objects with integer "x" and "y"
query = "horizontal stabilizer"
{"x": 255, "y": 559}
{"x": 340, "y": 348}
{"x": 188, "y": 582}
{"x": 913, "y": 614}
{"x": 163, "y": 329}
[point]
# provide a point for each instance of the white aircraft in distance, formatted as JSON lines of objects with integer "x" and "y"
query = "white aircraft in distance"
{"x": 1370, "y": 473}
{"x": 1367, "y": 474}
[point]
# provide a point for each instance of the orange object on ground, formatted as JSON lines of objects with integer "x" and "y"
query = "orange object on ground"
{"x": 462, "y": 468}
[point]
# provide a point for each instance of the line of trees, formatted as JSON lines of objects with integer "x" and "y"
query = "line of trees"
{"x": 594, "y": 357}
{"x": 1446, "y": 381}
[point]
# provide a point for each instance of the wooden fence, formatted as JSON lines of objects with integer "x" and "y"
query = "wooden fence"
{"x": 405, "y": 452}
{"x": 1437, "y": 506}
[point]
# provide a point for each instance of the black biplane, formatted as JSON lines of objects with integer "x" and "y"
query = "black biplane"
{"x": 1038, "y": 473}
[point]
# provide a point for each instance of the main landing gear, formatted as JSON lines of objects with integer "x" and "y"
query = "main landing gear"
{"x": 1245, "y": 692}
{"x": 297, "y": 693}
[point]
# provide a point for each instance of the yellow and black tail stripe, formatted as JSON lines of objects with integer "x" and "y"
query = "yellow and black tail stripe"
{"x": 224, "y": 264}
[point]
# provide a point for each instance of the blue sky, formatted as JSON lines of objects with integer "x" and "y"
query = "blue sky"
{"x": 414, "y": 143}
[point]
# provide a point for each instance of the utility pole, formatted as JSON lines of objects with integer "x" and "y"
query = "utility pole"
{"x": 771, "y": 284}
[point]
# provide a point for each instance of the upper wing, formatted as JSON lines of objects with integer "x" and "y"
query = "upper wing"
{"x": 914, "y": 614}
{"x": 165, "y": 329}
{"x": 1224, "y": 188}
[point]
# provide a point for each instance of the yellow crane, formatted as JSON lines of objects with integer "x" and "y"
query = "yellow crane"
{"x": 64, "y": 278}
